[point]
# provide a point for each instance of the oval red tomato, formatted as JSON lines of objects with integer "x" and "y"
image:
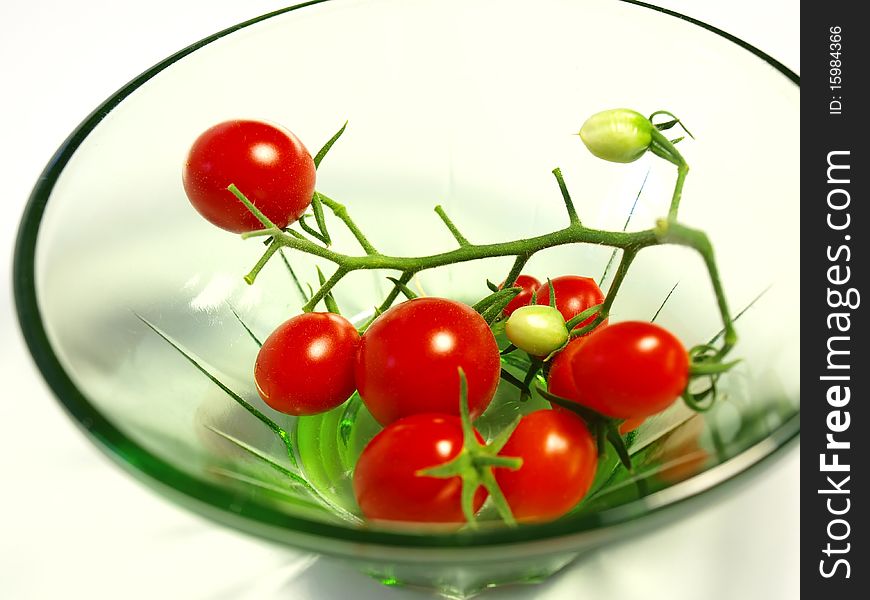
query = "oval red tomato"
{"x": 629, "y": 370}
{"x": 574, "y": 294}
{"x": 524, "y": 298}
{"x": 410, "y": 356}
{"x": 306, "y": 366}
{"x": 386, "y": 481}
{"x": 559, "y": 462}
{"x": 268, "y": 164}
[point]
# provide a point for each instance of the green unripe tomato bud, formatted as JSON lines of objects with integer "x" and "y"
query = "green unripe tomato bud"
{"x": 537, "y": 329}
{"x": 618, "y": 135}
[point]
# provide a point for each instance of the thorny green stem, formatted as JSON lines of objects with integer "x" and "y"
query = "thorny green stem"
{"x": 388, "y": 301}
{"x": 670, "y": 232}
{"x": 570, "y": 235}
{"x": 628, "y": 257}
{"x": 272, "y": 249}
{"x": 663, "y": 147}
{"x": 293, "y": 276}
{"x": 328, "y": 299}
{"x": 515, "y": 271}
{"x": 569, "y": 204}
{"x": 317, "y": 207}
{"x": 310, "y": 230}
{"x": 667, "y": 231}
{"x": 682, "y": 171}
{"x": 461, "y": 239}
{"x": 325, "y": 288}
{"x": 408, "y": 292}
{"x": 340, "y": 211}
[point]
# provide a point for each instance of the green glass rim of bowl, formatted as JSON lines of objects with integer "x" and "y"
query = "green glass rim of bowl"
{"x": 221, "y": 504}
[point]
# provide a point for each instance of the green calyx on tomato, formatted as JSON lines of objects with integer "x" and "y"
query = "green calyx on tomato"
{"x": 386, "y": 480}
{"x": 475, "y": 462}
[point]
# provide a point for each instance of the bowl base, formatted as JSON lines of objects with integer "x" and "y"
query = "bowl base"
{"x": 459, "y": 582}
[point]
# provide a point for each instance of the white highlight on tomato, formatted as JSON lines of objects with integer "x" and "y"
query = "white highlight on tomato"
{"x": 264, "y": 153}
{"x": 648, "y": 343}
{"x": 318, "y": 348}
{"x": 443, "y": 342}
{"x": 444, "y": 447}
{"x": 556, "y": 443}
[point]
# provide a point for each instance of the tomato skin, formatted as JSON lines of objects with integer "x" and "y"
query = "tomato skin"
{"x": 306, "y": 366}
{"x": 630, "y": 369}
{"x": 560, "y": 380}
{"x": 385, "y": 480}
{"x": 574, "y": 294}
{"x": 630, "y": 425}
{"x": 530, "y": 285}
{"x": 559, "y": 463}
{"x": 410, "y": 356}
{"x": 268, "y": 164}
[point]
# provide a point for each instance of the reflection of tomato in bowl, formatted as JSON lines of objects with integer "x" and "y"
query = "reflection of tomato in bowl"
{"x": 477, "y": 128}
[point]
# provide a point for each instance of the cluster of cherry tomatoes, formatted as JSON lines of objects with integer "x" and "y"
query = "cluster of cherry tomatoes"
{"x": 406, "y": 369}
{"x": 407, "y": 365}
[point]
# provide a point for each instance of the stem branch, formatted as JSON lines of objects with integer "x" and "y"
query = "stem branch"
{"x": 453, "y": 229}
{"x": 569, "y": 204}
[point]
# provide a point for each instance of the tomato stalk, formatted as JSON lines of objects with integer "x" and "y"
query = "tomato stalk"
{"x": 569, "y": 204}
{"x": 604, "y": 429}
{"x": 666, "y": 231}
{"x": 454, "y": 231}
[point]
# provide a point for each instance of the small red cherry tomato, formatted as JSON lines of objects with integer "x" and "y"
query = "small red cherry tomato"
{"x": 268, "y": 164}
{"x": 386, "y": 482}
{"x": 410, "y": 356}
{"x": 574, "y": 294}
{"x": 629, "y": 370}
{"x": 559, "y": 462}
{"x": 524, "y": 298}
{"x": 306, "y": 366}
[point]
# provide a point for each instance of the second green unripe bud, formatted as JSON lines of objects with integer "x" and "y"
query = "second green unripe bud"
{"x": 537, "y": 329}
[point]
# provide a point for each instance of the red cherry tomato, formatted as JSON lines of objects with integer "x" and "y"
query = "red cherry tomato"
{"x": 385, "y": 480}
{"x": 560, "y": 382}
{"x": 409, "y": 360}
{"x": 306, "y": 366}
{"x": 628, "y": 370}
{"x": 559, "y": 462}
{"x": 574, "y": 294}
{"x": 266, "y": 162}
{"x": 524, "y": 298}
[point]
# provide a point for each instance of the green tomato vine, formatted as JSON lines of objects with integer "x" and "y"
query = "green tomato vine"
{"x": 707, "y": 360}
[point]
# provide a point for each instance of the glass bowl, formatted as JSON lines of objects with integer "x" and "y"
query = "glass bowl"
{"x": 135, "y": 308}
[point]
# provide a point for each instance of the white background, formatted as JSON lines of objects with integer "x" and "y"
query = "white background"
{"x": 74, "y": 525}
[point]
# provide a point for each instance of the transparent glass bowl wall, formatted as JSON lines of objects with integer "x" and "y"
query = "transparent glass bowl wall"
{"x": 465, "y": 104}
